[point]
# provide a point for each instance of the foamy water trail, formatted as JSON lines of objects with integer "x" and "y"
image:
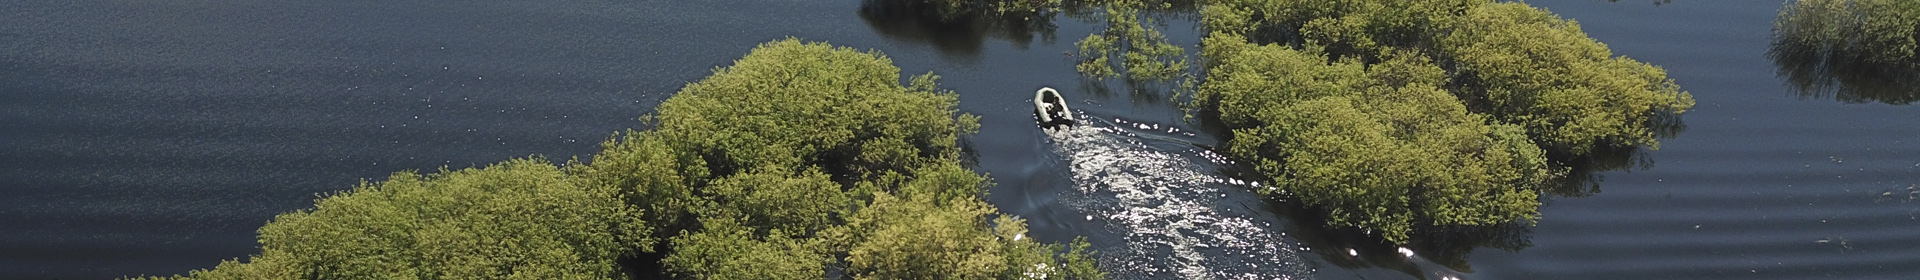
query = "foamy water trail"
{"x": 1179, "y": 220}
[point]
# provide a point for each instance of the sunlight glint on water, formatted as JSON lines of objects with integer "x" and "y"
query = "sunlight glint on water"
{"x": 1169, "y": 207}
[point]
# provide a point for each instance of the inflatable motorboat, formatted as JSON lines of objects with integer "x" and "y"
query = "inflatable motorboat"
{"x": 1051, "y": 108}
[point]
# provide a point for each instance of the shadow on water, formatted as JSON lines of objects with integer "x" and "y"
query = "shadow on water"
{"x": 1437, "y": 252}
{"x": 1140, "y": 93}
{"x": 1583, "y": 174}
{"x": 1823, "y": 73}
{"x": 960, "y": 33}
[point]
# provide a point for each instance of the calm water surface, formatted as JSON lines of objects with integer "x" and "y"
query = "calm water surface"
{"x": 153, "y": 137}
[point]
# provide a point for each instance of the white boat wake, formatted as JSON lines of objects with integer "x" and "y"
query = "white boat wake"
{"x": 1179, "y": 220}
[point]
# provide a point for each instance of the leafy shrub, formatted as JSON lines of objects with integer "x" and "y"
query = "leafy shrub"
{"x": 1877, "y": 31}
{"x": 521, "y": 219}
{"x": 789, "y": 104}
{"x": 1378, "y": 147}
{"x": 1394, "y": 115}
{"x": 1528, "y": 67}
{"x": 726, "y": 250}
{"x": 773, "y": 168}
{"x": 1854, "y": 51}
{"x": 803, "y": 151}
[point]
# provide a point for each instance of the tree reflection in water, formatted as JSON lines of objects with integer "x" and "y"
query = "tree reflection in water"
{"x": 1853, "y": 51}
{"x": 955, "y": 33}
{"x": 1450, "y": 246}
{"x": 1822, "y": 74}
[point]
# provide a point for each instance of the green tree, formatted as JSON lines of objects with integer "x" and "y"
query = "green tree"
{"x": 1513, "y": 62}
{"x": 521, "y": 219}
{"x": 774, "y": 168}
{"x": 804, "y": 150}
{"x": 1379, "y": 147}
{"x": 1530, "y": 68}
{"x": 1394, "y": 116}
{"x": 646, "y": 173}
{"x": 726, "y": 250}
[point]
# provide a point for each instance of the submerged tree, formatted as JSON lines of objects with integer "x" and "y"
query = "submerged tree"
{"x": 1131, "y": 43}
{"x": 1395, "y": 116}
{"x": 1854, "y": 51}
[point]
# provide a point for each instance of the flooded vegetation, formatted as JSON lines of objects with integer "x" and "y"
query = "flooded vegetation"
{"x": 850, "y": 170}
{"x": 1132, "y": 45}
{"x": 1241, "y": 139}
{"x": 1850, "y": 51}
{"x": 1386, "y": 139}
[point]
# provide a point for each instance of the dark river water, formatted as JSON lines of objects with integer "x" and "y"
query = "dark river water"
{"x": 153, "y": 137}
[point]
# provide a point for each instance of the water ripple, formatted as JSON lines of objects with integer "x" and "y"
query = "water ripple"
{"x": 1177, "y": 218}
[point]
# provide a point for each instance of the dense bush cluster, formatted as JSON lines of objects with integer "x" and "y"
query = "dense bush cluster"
{"x": 520, "y": 219}
{"x": 1391, "y": 114}
{"x": 1878, "y": 31}
{"x": 805, "y": 152}
{"x": 1852, "y": 50}
{"x": 798, "y": 158}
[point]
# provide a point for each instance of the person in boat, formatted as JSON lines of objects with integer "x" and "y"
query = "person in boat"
{"x": 1051, "y": 108}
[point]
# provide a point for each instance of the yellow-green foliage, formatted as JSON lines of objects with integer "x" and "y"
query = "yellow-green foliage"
{"x": 774, "y": 168}
{"x": 521, "y": 219}
{"x": 1144, "y": 52}
{"x": 1378, "y": 147}
{"x": 800, "y": 152}
{"x": 725, "y": 250}
{"x": 1533, "y": 69}
{"x": 919, "y": 239}
{"x": 1344, "y": 28}
{"x": 1875, "y": 31}
{"x": 645, "y": 173}
{"x": 1347, "y": 111}
{"x": 1515, "y": 63}
{"x": 788, "y": 104}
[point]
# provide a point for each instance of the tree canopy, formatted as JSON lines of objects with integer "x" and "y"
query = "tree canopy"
{"x": 520, "y": 219}
{"x": 1393, "y": 114}
{"x": 799, "y": 157}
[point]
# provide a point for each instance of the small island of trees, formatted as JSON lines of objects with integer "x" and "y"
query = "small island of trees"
{"x": 1398, "y": 115}
{"x": 799, "y": 158}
